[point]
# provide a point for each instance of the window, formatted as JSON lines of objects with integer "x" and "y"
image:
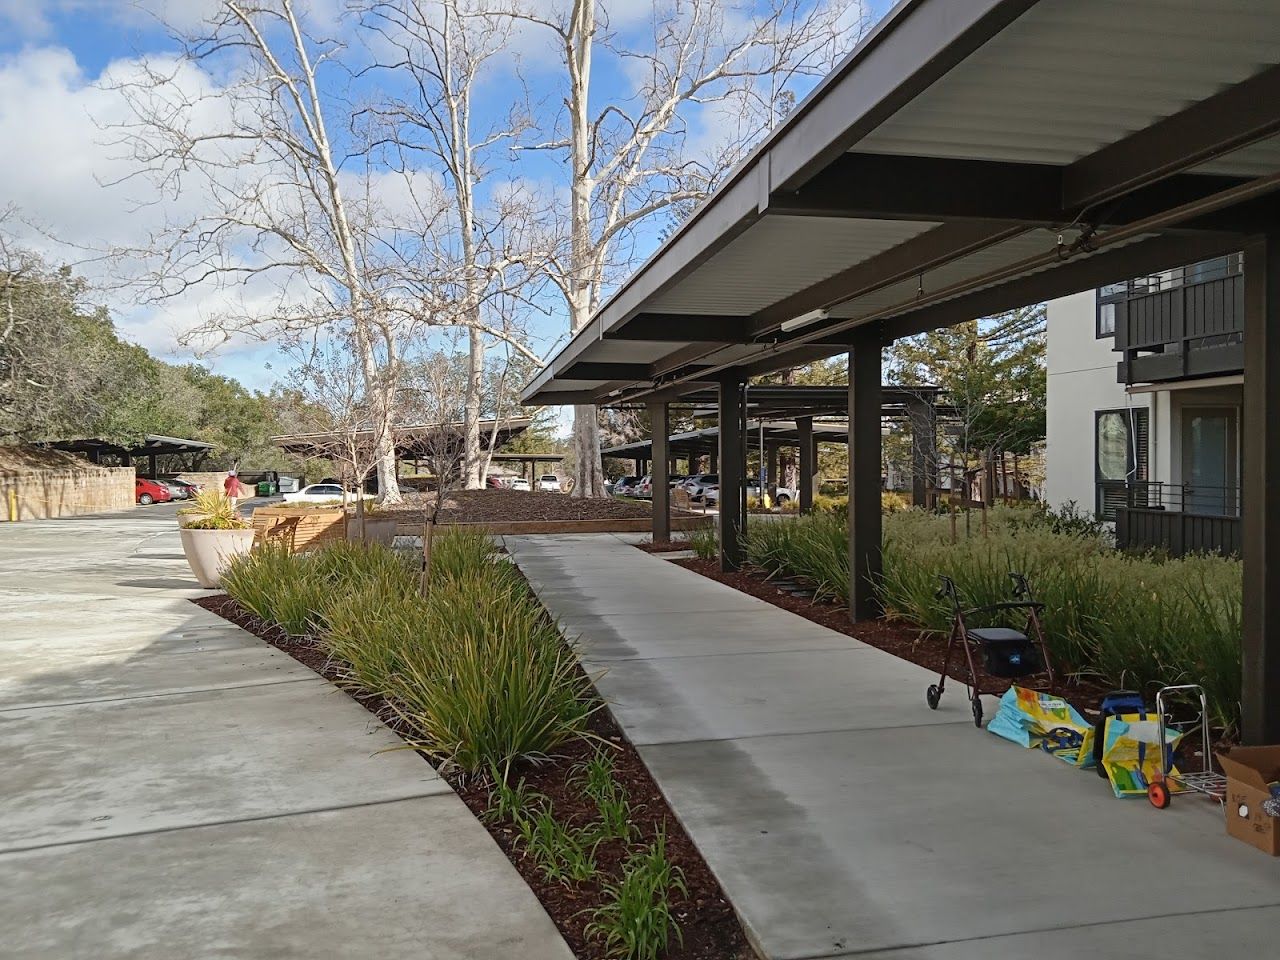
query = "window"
{"x": 1106, "y": 320}
{"x": 1120, "y": 442}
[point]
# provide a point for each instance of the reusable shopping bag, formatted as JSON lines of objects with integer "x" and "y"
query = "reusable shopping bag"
{"x": 1132, "y": 754}
{"x": 1033, "y": 718}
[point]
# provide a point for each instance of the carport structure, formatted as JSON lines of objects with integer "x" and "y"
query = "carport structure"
{"x": 969, "y": 157}
{"x": 787, "y": 416}
{"x": 152, "y": 447}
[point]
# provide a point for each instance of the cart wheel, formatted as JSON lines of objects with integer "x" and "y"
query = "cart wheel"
{"x": 933, "y": 695}
{"x": 1158, "y": 794}
{"x": 977, "y": 710}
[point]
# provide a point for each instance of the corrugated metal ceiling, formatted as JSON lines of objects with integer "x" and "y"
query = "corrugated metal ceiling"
{"x": 1045, "y": 89}
{"x": 800, "y": 251}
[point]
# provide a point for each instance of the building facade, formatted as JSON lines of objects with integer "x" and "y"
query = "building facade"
{"x": 1145, "y": 390}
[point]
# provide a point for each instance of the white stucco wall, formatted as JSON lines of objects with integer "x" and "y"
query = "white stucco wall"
{"x": 1081, "y": 380}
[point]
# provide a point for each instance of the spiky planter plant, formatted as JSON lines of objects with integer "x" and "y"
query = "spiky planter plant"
{"x": 213, "y": 534}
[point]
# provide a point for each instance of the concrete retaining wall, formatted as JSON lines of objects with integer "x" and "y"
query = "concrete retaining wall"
{"x": 50, "y": 483}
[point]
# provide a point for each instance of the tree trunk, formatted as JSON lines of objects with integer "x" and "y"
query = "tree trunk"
{"x": 588, "y": 476}
{"x": 472, "y": 468}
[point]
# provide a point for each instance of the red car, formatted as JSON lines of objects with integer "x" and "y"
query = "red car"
{"x": 149, "y": 491}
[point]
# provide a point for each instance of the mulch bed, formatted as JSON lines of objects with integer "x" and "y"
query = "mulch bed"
{"x": 708, "y": 925}
{"x": 892, "y": 636}
{"x": 498, "y": 506}
{"x": 662, "y": 546}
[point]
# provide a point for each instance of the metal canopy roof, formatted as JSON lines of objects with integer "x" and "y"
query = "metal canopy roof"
{"x": 706, "y": 440}
{"x": 411, "y": 440}
{"x": 151, "y": 444}
{"x": 968, "y": 157}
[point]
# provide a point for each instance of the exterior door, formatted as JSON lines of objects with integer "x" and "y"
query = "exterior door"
{"x": 1210, "y": 466}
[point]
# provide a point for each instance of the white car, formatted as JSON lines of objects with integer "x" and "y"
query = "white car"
{"x": 321, "y": 493}
{"x": 549, "y": 482}
{"x": 519, "y": 483}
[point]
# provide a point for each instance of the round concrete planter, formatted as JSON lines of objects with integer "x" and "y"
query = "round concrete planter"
{"x": 186, "y": 519}
{"x": 209, "y": 551}
{"x": 376, "y": 529}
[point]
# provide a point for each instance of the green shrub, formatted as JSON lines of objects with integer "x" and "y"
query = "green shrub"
{"x": 455, "y": 552}
{"x": 492, "y": 680}
{"x": 277, "y": 585}
{"x": 563, "y": 853}
{"x": 295, "y": 590}
{"x": 814, "y": 548}
{"x": 1128, "y": 620}
{"x": 704, "y": 542}
{"x": 636, "y": 921}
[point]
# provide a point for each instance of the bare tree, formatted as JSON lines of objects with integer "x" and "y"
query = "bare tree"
{"x": 446, "y": 49}
{"x": 628, "y": 157}
{"x": 289, "y": 200}
{"x": 329, "y": 383}
{"x": 438, "y": 403}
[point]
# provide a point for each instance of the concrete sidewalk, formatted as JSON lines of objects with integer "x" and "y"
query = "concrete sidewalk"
{"x": 175, "y": 787}
{"x": 844, "y": 818}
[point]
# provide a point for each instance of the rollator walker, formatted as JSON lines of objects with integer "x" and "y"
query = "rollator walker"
{"x": 1006, "y": 653}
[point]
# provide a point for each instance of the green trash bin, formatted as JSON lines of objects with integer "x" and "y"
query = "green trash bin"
{"x": 266, "y": 489}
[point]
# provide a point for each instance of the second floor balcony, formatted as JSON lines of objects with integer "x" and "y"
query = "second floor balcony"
{"x": 1179, "y": 324}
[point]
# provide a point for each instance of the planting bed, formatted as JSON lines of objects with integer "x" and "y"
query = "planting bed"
{"x": 709, "y": 929}
{"x": 496, "y": 506}
{"x": 892, "y": 636}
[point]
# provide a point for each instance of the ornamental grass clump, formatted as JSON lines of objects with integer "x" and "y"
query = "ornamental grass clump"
{"x": 277, "y": 585}
{"x": 492, "y": 681}
{"x": 295, "y": 591}
{"x": 1127, "y": 620}
{"x": 637, "y": 921}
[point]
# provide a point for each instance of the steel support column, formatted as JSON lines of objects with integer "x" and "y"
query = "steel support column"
{"x": 713, "y": 461}
{"x": 732, "y": 457}
{"x": 808, "y": 462}
{"x": 923, "y": 417}
{"x": 658, "y": 431}
{"x": 771, "y": 471}
{"x": 864, "y": 473}
{"x": 1260, "y": 523}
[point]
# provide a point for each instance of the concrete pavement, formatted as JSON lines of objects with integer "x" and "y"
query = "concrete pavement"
{"x": 844, "y": 818}
{"x": 174, "y": 787}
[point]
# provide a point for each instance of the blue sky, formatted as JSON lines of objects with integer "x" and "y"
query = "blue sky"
{"x": 53, "y": 52}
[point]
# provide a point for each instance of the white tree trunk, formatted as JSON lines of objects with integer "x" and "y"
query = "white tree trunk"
{"x": 472, "y": 465}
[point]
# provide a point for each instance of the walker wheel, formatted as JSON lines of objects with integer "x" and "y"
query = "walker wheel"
{"x": 977, "y": 710}
{"x": 1158, "y": 794}
{"x": 933, "y": 695}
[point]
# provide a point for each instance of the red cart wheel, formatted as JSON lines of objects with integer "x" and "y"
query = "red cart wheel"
{"x": 1158, "y": 794}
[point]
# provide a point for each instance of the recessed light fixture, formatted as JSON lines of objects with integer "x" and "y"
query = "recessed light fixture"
{"x": 813, "y": 316}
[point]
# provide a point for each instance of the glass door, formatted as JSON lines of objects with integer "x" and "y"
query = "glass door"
{"x": 1209, "y": 461}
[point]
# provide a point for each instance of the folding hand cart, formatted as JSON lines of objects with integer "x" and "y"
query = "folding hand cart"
{"x": 1006, "y": 653}
{"x": 1205, "y": 780}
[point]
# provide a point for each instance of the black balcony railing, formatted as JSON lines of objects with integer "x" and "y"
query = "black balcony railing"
{"x": 1176, "y": 518}
{"x": 1181, "y": 324}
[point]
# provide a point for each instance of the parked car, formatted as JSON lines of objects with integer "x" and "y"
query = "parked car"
{"x": 698, "y": 483}
{"x": 493, "y": 482}
{"x": 625, "y": 486}
{"x": 146, "y": 490}
{"x": 711, "y": 493}
{"x": 190, "y": 489}
{"x": 549, "y": 483}
{"x": 176, "y": 490}
{"x": 519, "y": 483}
{"x": 643, "y": 489}
{"x": 321, "y": 493}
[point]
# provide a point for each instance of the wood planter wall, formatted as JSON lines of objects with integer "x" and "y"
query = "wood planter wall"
{"x": 300, "y": 528}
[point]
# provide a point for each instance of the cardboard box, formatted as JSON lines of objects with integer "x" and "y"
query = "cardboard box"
{"x": 1249, "y": 770}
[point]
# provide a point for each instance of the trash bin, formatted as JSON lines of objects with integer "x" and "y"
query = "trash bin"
{"x": 266, "y": 489}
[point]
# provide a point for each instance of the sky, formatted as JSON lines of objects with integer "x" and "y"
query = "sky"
{"x": 60, "y": 168}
